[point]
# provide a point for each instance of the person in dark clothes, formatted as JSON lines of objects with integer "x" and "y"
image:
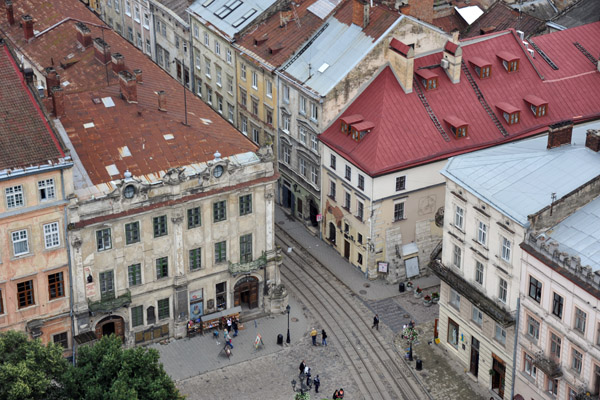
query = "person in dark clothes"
{"x": 308, "y": 381}
{"x": 323, "y": 338}
{"x": 341, "y": 393}
{"x": 302, "y": 366}
{"x": 317, "y": 383}
{"x": 234, "y": 325}
{"x": 375, "y": 322}
{"x": 335, "y": 395}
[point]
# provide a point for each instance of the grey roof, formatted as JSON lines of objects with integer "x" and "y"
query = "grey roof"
{"x": 542, "y": 9}
{"x": 177, "y": 6}
{"x": 332, "y": 55}
{"x": 579, "y": 234}
{"x": 229, "y": 16}
{"x": 584, "y": 12}
{"x": 518, "y": 179}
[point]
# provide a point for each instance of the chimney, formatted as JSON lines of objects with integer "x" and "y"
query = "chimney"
{"x": 118, "y": 62}
{"x": 58, "y": 101}
{"x": 360, "y": 13}
{"x": 101, "y": 51}
{"x": 401, "y": 58}
{"x": 453, "y": 54}
{"x": 84, "y": 35}
{"x": 10, "y": 15}
{"x": 138, "y": 75}
{"x": 52, "y": 79}
{"x": 560, "y": 134}
{"x": 128, "y": 86}
{"x": 27, "y": 22}
{"x": 162, "y": 100}
{"x": 592, "y": 139}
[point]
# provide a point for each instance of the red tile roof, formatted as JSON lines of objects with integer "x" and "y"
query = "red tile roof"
{"x": 501, "y": 16}
{"x": 404, "y": 135}
{"x": 380, "y": 18}
{"x": 139, "y": 126}
{"x": 26, "y": 139}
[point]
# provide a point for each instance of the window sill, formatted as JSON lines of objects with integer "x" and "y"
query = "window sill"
{"x": 331, "y": 197}
{"x": 531, "y": 379}
{"x": 400, "y": 219}
{"x": 219, "y": 85}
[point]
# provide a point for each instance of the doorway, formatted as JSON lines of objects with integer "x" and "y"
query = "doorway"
{"x": 332, "y": 232}
{"x": 346, "y": 250}
{"x": 287, "y": 197}
{"x": 498, "y": 375}
{"x": 314, "y": 211}
{"x": 474, "y": 356}
{"x": 246, "y": 293}
{"x": 111, "y": 325}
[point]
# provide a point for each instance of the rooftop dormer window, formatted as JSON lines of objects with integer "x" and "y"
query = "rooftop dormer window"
{"x": 511, "y": 114}
{"x": 539, "y": 107}
{"x": 361, "y": 129}
{"x": 458, "y": 127}
{"x": 482, "y": 68}
{"x": 510, "y": 62}
{"x": 346, "y": 122}
{"x": 429, "y": 79}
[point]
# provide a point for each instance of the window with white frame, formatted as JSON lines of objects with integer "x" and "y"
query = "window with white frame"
{"x": 552, "y": 386}
{"x": 286, "y": 94}
{"x": 230, "y": 112}
{"x": 196, "y": 31}
{"x": 139, "y": 40}
{"x": 244, "y": 124}
{"x": 217, "y": 47}
{"x": 148, "y": 47}
{"x": 255, "y": 134}
{"x": 302, "y": 105}
{"x": 206, "y": 39}
{"x": 502, "y": 290}
{"x": 477, "y": 316}
{"x": 360, "y": 210}
{"x": 243, "y": 71}
{"x": 46, "y": 189}
{"x": 580, "y": 320}
{"x": 482, "y": 232}
{"x": 286, "y": 123}
{"x": 399, "y": 211}
{"x": 51, "y": 235}
{"x": 207, "y": 67}
{"x": 314, "y": 111}
{"x": 457, "y": 256}
{"x": 459, "y": 217}
{"x": 118, "y": 6}
{"x": 576, "y": 360}
{"x": 128, "y": 7}
{"x": 219, "y": 75}
{"x": 454, "y": 299}
{"x": 20, "y": 242}
{"x": 137, "y": 13}
{"x": 228, "y": 57}
{"x": 500, "y": 334}
{"x": 14, "y": 196}
{"x": 314, "y": 175}
{"x": 528, "y": 366}
{"x": 302, "y": 166}
{"x": 287, "y": 154}
{"x": 209, "y": 93}
{"x": 479, "y": 272}
{"x": 230, "y": 84}
{"x": 269, "y": 89}
{"x": 146, "y": 20}
{"x": 533, "y": 328}
{"x": 506, "y": 248}
{"x": 254, "y": 80}
{"x": 314, "y": 143}
{"x": 103, "y": 240}
{"x": 302, "y": 134}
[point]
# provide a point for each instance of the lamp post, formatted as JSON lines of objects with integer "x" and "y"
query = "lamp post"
{"x": 287, "y": 309}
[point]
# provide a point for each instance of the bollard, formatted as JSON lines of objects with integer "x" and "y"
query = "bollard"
{"x": 280, "y": 339}
{"x": 401, "y": 287}
{"x": 419, "y": 365}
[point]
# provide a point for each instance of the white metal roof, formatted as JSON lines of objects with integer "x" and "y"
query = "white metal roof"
{"x": 518, "y": 179}
{"x": 322, "y": 8}
{"x": 470, "y": 13}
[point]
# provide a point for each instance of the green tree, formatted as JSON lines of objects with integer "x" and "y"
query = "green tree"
{"x": 107, "y": 371}
{"x": 30, "y": 370}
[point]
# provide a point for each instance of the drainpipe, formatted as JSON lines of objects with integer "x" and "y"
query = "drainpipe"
{"x": 66, "y": 222}
{"x": 512, "y": 386}
{"x": 370, "y": 238}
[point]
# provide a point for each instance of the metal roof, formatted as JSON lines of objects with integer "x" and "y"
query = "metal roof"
{"x": 470, "y": 13}
{"x": 519, "y": 178}
{"x": 229, "y": 16}
{"x": 322, "y": 8}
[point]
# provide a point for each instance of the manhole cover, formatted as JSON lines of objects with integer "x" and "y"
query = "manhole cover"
{"x": 362, "y": 291}
{"x": 367, "y": 284}
{"x": 294, "y": 319}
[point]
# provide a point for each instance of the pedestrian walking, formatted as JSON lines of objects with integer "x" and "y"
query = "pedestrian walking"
{"x": 234, "y": 325}
{"x": 323, "y": 338}
{"x": 336, "y": 394}
{"x": 341, "y": 394}
{"x": 375, "y": 322}
{"x": 317, "y": 383}
{"x": 313, "y": 334}
{"x": 411, "y": 324}
{"x": 308, "y": 382}
{"x": 228, "y": 338}
{"x": 229, "y": 324}
{"x": 302, "y": 366}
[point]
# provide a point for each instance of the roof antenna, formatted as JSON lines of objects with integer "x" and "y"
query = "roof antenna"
{"x": 552, "y": 204}
{"x": 309, "y": 71}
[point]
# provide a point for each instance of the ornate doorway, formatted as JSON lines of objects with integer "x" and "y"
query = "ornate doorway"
{"x": 246, "y": 292}
{"x": 111, "y": 325}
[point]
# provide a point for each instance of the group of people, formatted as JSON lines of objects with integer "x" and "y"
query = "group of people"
{"x": 305, "y": 373}
{"x": 338, "y": 394}
{"x": 232, "y": 325}
{"x": 313, "y": 335}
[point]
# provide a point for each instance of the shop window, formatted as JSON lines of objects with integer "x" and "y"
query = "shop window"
{"x": 221, "y": 295}
{"x": 453, "y": 333}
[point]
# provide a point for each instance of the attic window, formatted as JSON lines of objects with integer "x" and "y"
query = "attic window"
{"x": 360, "y": 130}
{"x": 429, "y": 80}
{"x": 509, "y": 62}
{"x": 482, "y": 68}
{"x": 458, "y": 127}
{"x": 511, "y": 114}
{"x": 346, "y": 122}
{"x": 539, "y": 107}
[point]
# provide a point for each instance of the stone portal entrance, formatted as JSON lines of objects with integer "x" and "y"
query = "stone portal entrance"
{"x": 246, "y": 292}
{"x": 111, "y": 325}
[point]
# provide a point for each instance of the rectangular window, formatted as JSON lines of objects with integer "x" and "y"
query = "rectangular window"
{"x": 302, "y": 163}
{"x": 103, "y": 241}
{"x": 107, "y": 285}
{"x": 246, "y": 248}
{"x": 130, "y": 33}
{"x": 302, "y": 106}
{"x": 552, "y": 386}
{"x": 576, "y": 360}
{"x": 1, "y": 303}
{"x": 219, "y": 75}
{"x": 286, "y": 123}
{"x": 502, "y": 290}
{"x": 56, "y": 285}
{"x": 482, "y": 233}
{"x": 254, "y": 80}
{"x": 219, "y": 211}
{"x": 148, "y": 47}
{"x": 246, "y": 204}
{"x": 302, "y": 134}
{"x": 194, "y": 218}
{"x": 14, "y": 196}
{"x": 457, "y": 256}
{"x": 348, "y": 173}
{"x": 500, "y": 334}
{"x": 162, "y": 267}
{"x": 479, "y": 272}
{"x": 332, "y": 161}
{"x": 287, "y": 154}
{"x": 399, "y": 211}
{"x": 230, "y": 112}
{"x": 209, "y": 94}
{"x": 400, "y": 183}
{"x": 206, "y": 39}
{"x": 160, "y": 225}
{"x": 230, "y": 86}
{"x": 506, "y": 249}
{"x": 137, "y": 316}
{"x": 137, "y": 13}
{"x": 360, "y": 210}
{"x": 361, "y": 182}
{"x": 217, "y": 47}
{"x": 46, "y": 189}
{"x": 535, "y": 289}
{"x": 132, "y": 232}
{"x": 555, "y": 346}
{"x": 228, "y": 57}
{"x": 557, "y": 305}
{"x": 243, "y": 98}
{"x": 255, "y": 134}
{"x": 459, "y": 217}
{"x": 314, "y": 111}
{"x": 196, "y": 31}
{"x": 528, "y": 366}
{"x": 314, "y": 175}
{"x": 254, "y": 107}
{"x": 269, "y": 89}
{"x": 25, "y": 294}
{"x": 477, "y": 316}
{"x": 220, "y": 252}
{"x": 61, "y": 339}
{"x": 286, "y": 94}
{"x": 146, "y": 21}
{"x": 454, "y": 299}
{"x": 219, "y": 104}
{"x": 134, "y": 273}
{"x": 314, "y": 143}
{"x": 243, "y": 71}
{"x": 533, "y": 328}
{"x": 452, "y": 333}
{"x": 117, "y": 5}
{"x": 139, "y": 40}
{"x": 332, "y": 189}
{"x": 580, "y": 320}
{"x": 163, "y": 309}
{"x": 128, "y": 7}
{"x": 207, "y": 67}
{"x": 51, "y": 235}
{"x": 195, "y": 259}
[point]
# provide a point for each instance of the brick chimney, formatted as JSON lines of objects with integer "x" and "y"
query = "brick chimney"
{"x": 84, "y": 35}
{"x": 560, "y": 134}
{"x": 592, "y": 139}
{"x": 101, "y": 51}
{"x": 52, "y": 79}
{"x": 401, "y": 58}
{"x": 360, "y": 13}
{"x": 128, "y": 86}
{"x": 10, "y": 15}
{"x": 138, "y": 75}
{"x": 118, "y": 62}
{"x": 58, "y": 101}
{"x": 162, "y": 100}
{"x": 453, "y": 57}
{"x": 27, "y": 22}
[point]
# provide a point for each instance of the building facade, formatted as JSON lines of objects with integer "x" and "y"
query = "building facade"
{"x": 131, "y": 19}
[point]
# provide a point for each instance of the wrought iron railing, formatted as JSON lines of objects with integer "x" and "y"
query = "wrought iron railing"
{"x": 248, "y": 267}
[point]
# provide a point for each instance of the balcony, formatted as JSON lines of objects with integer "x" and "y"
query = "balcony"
{"x": 547, "y": 365}
{"x": 110, "y": 303}
{"x": 248, "y": 267}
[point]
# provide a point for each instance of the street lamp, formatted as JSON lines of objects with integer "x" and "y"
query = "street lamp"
{"x": 287, "y": 309}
